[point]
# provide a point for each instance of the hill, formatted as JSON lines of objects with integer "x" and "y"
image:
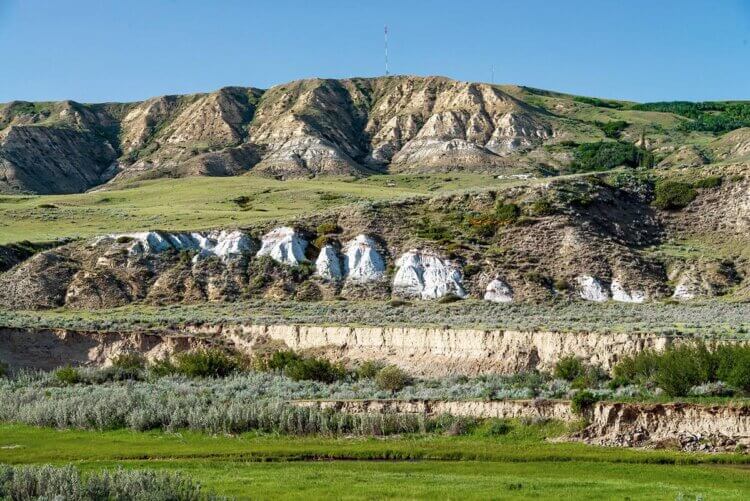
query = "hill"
{"x": 353, "y": 127}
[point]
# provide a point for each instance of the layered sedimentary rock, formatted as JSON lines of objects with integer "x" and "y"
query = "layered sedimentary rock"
{"x": 426, "y": 275}
{"x": 498, "y": 291}
{"x": 284, "y": 245}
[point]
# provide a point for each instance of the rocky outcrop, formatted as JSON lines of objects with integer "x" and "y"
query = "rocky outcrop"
{"x": 539, "y": 410}
{"x": 284, "y": 245}
{"x": 426, "y": 275}
{"x": 444, "y": 351}
{"x": 498, "y": 291}
{"x": 420, "y": 351}
{"x": 591, "y": 289}
{"x": 362, "y": 262}
{"x": 42, "y": 159}
{"x": 675, "y": 425}
{"x": 300, "y": 129}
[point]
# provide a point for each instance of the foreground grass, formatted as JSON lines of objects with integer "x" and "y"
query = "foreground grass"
{"x": 520, "y": 464}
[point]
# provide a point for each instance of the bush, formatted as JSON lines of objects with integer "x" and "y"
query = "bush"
{"x": 50, "y": 482}
{"x": 391, "y": 378}
{"x": 129, "y": 361}
{"x": 314, "y": 369}
{"x": 328, "y": 228}
{"x": 162, "y": 367}
{"x": 449, "y": 298}
{"x": 3, "y": 370}
{"x": 708, "y": 182}
{"x": 569, "y": 368}
{"x": 542, "y": 207}
{"x": 639, "y": 368}
{"x": 605, "y": 155}
{"x": 507, "y": 213}
{"x": 673, "y": 195}
{"x": 738, "y": 375}
{"x": 205, "y": 363}
{"x": 497, "y": 428}
{"x": 369, "y": 369}
{"x": 68, "y": 375}
{"x": 582, "y": 401}
{"x": 681, "y": 368}
{"x": 276, "y": 361}
{"x": 613, "y": 128}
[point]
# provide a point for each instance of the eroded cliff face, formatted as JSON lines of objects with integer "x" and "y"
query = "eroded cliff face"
{"x": 676, "y": 425}
{"x": 689, "y": 427}
{"x": 420, "y": 351}
{"x": 304, "y": 128}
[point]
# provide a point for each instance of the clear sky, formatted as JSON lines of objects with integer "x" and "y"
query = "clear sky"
{"x": 120, "y": 50}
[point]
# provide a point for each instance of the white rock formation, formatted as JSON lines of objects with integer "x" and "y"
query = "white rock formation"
{"x": 620, "y": 293}
{"x": 498, "y": 291}
{"x": 328, "y": 264}
{"x": 223, "y": 244}
{"x": 591, "y": 289}
{"x": 362, "y": 262}
{"x": 426, "y": 275}
{"x": 284, "y": 245}
{"x": 687, "y": 288}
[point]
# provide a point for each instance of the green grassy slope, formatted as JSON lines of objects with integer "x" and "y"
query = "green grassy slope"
{"x": 205, "y": 202}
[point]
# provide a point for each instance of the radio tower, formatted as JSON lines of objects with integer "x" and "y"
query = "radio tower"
{"x": 386, "y": 49}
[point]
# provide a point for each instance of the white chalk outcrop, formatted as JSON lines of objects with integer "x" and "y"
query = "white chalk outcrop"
{"x": 222, "y": 244}
{"x": 498, "y": 291}
{"x": 362, "y": 261}
{"x": 328, "y": 264}
{"x": 284, "y": 245}
{"x": 687, "y": 288}
{"x": 426, "y": 275}
{"x": 591, "y": 289}
{"x": 620, "y": 293}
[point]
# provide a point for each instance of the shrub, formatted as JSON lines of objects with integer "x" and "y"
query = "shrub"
{"x": 205, "y": 363}
{"x": 369, "y": 369}
{"x": 612, "y": 129}
{"x": 66, "y": 482}
{"x": 673, "y": 195}
{"x": 124, "y": 239}
{"x": 391, "y": 378}
{"x": 314, "y": 369}
{"x": 507, "y": 213}
{"x": 582, "y": 401}
{"x": 639, "y": 368}
{"x": 432, "y": 231}
{"x": 569, "y": 368}
{"x": 739, "y": 375}
{"x": 708, "y": 182}
{"x": 497, "y": 428}
{"x": 542, "y": 207}
{"x": 449, "y": 298}
{"x": 328, "y": 228}
{"x": 605, "y": 155}
{"x": 162, "y": 367}
{"x": 276, "y": 361}
{"x": 3, "y": 370}
{"x": 129, "y": 361}
{"x": 681, "y": 368}
{"x": 68, "y": 375}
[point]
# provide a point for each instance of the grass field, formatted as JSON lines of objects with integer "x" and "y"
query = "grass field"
{"x": 206, "y": 202}
{"x": 520, "y": 464}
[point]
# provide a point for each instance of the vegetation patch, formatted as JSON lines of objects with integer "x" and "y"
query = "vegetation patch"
{"x": 673, "y": 195}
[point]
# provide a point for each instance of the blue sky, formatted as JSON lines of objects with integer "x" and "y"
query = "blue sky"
{"x": 108, "y": 50}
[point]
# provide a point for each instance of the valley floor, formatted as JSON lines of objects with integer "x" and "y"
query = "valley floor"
{"x": 521, "y": 464}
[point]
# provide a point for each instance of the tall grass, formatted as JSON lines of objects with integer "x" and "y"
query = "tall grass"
{"x": 67, "y": 483}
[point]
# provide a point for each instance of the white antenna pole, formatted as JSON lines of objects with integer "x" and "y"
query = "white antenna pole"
{"x": 386, "y": 49}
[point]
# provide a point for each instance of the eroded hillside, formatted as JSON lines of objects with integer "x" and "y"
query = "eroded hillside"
{"x": 595, "y": 238}
{"x": 340, "y": 127}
